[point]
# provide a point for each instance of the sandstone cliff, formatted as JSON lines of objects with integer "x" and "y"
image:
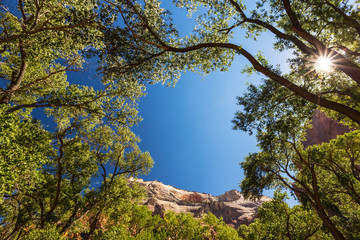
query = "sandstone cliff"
{"x": 323, "y": 129}
{"x": 230, "y": 205}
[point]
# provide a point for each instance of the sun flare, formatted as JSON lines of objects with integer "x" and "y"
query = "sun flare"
{"x": 323, "y": 64}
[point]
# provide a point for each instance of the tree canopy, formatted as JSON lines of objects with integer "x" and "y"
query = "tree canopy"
{"x": 312, "y": 29}
{"x": 47, "y": 175}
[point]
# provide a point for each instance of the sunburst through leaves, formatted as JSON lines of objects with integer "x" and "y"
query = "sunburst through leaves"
{"x": 323, "y": 64}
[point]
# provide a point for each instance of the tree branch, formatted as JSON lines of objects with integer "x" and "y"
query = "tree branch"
{"x": 16, "y": 79}
{"x": 346, "y": 50}
{"x": 342, "y": 63}
{"x": 58, "y": 174}
{"x": 353, "y": 22}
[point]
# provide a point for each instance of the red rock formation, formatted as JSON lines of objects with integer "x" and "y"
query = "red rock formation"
{"x": 192, "y": 197}
{"x": 231, "y": 206}
{"x": 323, "y": 130}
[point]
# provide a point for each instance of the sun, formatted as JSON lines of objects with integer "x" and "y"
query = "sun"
{"x": 323, "y": 64}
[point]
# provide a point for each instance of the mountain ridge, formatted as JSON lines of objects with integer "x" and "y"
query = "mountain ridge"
{"x": 231, "y": 205}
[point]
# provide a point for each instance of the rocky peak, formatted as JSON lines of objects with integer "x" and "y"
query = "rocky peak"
{"x": 231, "y": 195}
{"x": 230, "y": 205}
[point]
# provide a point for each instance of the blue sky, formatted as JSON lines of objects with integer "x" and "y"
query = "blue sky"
{"x": 187, "y": 129}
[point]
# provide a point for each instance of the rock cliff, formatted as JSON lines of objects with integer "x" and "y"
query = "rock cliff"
{"x": 230, "y": 205}
{"x": 323, "y": 129}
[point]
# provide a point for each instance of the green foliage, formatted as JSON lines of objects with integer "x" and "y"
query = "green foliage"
{"x": 324, "y": 177}
{"x": 141, "y": 46}
{"x": 335, "y": 166}
{"x": 217, "y": 229}
{"x": 48, "y": 232}
{"x": 276, "y": 220}
{"x": 24, "y": 148}
{"x": 140, "y": 224}
{"x": 145, "y": 44}
{"x": 44, "y": 41}
{"x": 49, "y": 177}
{"x": 280, "y": 109}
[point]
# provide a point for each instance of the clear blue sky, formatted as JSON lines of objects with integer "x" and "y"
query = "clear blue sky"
{"x": 188, "y": 130}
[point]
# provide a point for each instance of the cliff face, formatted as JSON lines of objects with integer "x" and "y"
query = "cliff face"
{"x": 323, "y": 130}
{"x": 230, "y": 205}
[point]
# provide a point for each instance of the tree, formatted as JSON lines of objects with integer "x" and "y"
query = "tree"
{"x": 324, "y": 177}
{"x": 141, "y": 224}
{"x": 276, "y": 220}
{"x": 49, "y": 174}
{"x": 312, "y": 29}
{"x": 40, "y": 42}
